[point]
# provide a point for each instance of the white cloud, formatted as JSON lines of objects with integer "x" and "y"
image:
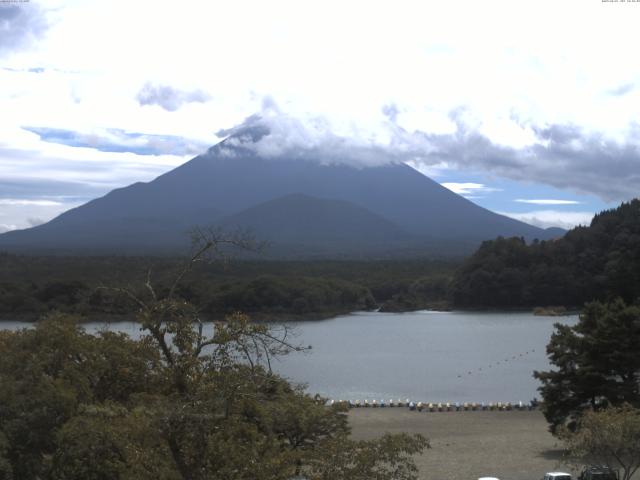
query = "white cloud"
{"x": 552, "y": 218}
{"x": 25, "y": 213}
{"x": 468, "y": 189}
{"x": 169, "y": 98}
{"x": 431, "y": 60}
{"x": 431, "y": 171}
{"x": 547, "y": 201}
{"x": 563, "y": 156}
{"x": 6, "y": 227}
{"x": 22, "y": 202}
{"x": 34, "y": 222}
{"x": 276, "y": 134}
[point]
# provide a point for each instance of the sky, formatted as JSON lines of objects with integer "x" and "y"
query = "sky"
{"x": 528, "y": 108}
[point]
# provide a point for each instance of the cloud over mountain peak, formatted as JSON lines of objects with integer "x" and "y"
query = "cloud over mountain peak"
{"x": 564, "y": 156}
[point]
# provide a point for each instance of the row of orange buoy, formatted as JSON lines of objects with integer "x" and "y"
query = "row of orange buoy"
{"x": 439, "y": 407}
{"x": 499, "y": 362}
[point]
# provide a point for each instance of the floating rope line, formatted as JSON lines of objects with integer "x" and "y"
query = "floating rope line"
{"x": 449, "y": 407}
{"x": 499, "y": 362}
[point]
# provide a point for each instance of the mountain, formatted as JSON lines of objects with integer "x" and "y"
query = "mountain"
{"x": 327, "y": 207}
{"x": 299, "y": 223}
{"x": 554, "y": 232}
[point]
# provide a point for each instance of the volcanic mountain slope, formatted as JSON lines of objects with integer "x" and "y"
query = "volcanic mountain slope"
{"x": 320, "y": 208}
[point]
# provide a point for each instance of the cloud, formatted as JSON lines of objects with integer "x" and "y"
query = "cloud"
{"x": 29, "y": 187}
{"x": 274, "y": 134}
{"x": 23, "y": 202}
{"x": 552, "y": 218}
{"x": 566, "y": 157}
{"x": 622, "y": 89}
{"x": 468, "y": 189}
{"x": 25, "y": 70}
{"x": 20, "y": 25}
{"x": 40, "y": 180}
{"x": 390, "y": 111}
{"x": 39, "y": 174}
{"x": 6, "y": 227}
{"x": 563, "y": 156}
{"x": 546, "y": 201}
{"x": 34, "y": 222}
{"x": 116, "y": 140}
{"x": 18, "y": 213}
{"x": 431, "y": 171}
{"x": 169, "y": 98}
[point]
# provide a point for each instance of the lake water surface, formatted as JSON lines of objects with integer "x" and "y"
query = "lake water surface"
{"x": 427, "y": 356}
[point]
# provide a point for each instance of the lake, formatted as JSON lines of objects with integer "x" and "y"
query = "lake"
{"x": 423, "y": 356}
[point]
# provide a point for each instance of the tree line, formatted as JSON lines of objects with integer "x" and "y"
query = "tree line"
{"x": 31, "y": 286}
{"x": 598, "y": 262}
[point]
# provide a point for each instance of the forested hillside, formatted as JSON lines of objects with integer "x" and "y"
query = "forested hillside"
{"x": 600, "y": 261}
{"x": 31, "y": 286}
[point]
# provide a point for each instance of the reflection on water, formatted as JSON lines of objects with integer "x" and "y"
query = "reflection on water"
{"x": 428, "y": 356}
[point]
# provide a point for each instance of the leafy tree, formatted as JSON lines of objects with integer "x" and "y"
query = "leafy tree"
{"x": 50, "y": 372}
{"x": 6, "y": 472}
{"x": 608, "y": 437}
{"x": 179, "y": 404}
{"x": 597, "y": 360}
{"x": 423, "y": 293}
{"x": 388, "y": 457}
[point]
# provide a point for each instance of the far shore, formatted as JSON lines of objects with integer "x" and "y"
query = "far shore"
{"x": 273, "y": 317}
{"x": 509, "y": 445}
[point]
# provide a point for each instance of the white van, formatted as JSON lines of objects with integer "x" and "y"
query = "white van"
{"x": 557, "y": 476}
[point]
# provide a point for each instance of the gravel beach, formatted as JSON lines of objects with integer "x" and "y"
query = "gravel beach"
{"x": 510, "y": 445}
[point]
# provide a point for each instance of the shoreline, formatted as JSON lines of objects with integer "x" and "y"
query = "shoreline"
{"x": 271, "y": 317}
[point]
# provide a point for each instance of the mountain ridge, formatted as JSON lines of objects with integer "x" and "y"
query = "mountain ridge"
{"x": 231, "y": 177}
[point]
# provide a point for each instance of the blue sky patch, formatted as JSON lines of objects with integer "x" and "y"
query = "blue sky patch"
{"x": 119, "y": 141}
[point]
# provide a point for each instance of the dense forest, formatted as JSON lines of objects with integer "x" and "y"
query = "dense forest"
{"x": 598, "y": 262}
{"x": 31, "y": 286}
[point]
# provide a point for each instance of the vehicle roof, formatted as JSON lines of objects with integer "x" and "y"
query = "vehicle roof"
{"x": 558, "y": 473}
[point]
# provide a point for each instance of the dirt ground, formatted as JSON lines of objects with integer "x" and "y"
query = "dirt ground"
{"x": 510, "y": 445}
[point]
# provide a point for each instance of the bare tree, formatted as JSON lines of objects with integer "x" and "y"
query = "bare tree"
{"x": 177, "y": 328}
